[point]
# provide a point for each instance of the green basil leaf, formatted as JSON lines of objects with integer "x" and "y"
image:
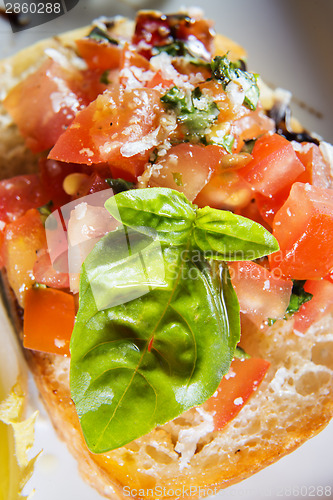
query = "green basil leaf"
{"x": 119, "y": 185}
{"x": 223, "y": 235}
{"x": 298, "y": 297}
{"x": 141, "y": 363}
{"x": 158, "y": 212}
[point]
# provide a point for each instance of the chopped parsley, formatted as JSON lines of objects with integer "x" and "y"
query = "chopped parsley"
{"x": 194, "y": 111}
{"x": 226, "y": 71}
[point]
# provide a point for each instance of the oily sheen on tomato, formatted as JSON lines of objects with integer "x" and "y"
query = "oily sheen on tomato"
{"x": 304, "y": 229}
{"x": 119, "y": 128}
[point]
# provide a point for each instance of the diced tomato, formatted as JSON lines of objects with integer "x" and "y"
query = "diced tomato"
{"x": 45, "y": 274}
{"x": 250, "y": 126}
{"x": 160, "y": 82}
{"x": 118, "y": 127}
{"x": 99, "y": 54}
{"x": 186, "y": 167}
{"x": 261, "y": 293}
{"x": 320, "y": 304}
{"x": 132, "y": 66}
{"x": 45, "y": 103}
{"x": 225, "y": 191}
{"x": 274, "y": 167}
{"x": 269, "y": 205}
{"x": 153, "y": 29}
{"x": 48, "y": 320}
{"x": 20, "y": 193}
{"x": 23, "y": 238}
{"x": 235, "y": 389}
{"x": 318, "y": 172}
{"x": 304, "y": 229}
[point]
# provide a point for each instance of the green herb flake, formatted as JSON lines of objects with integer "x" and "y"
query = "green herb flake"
{"x": 195, "y": 111}
{"x": 102, "y": 36}
{"x": 178, "y": 178}
{"x": 119, "y": 185}
{"x": 226, "y": 71}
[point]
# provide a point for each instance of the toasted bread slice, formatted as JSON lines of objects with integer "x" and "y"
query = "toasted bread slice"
{"x": 293, "y": 403}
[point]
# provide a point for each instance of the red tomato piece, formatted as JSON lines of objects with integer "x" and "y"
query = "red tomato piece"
{"x": 19, "y": 194}
{"x": 48, "y": 320}
{"x": 132, "y": 67}
{"x": 99, "y": 54}
{"x": 318, "y": 172}
{"x": 45, "y": 274}
{"x": 153, "y": 29}
{"x": 320, "y": 304}
{"x": 225, "y": 191}
{"x": 235, "y": 389}
{"x": 186, "y": 168}
{"x": 45, "y": 103}
{"x": 119, "y": 128}
{"x": 261, "y": 293}
{"x": 304, "y": 229}
{"x": 269, "y": 206}
{"x": 23, "y": 238}
{"x": 2, "y": 239}
{"x": 274, "y": 166}
{"x": 250, "y": 126}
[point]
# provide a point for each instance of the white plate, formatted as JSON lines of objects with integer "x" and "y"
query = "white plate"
{"x": 289, "y": 43}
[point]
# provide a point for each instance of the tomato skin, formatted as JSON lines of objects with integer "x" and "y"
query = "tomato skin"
{"x": 99, "y": 54}
{"x": 235, "y": 389}
{"x": 261, "y": 293}
{"x": 274, "y": 166}
{"x": 320, "y": 304}
{"x": 113, "y": 129}
{"x": 48, "y": 320}
{"x": 304, "y": 229}
{"x": 23, "y": 238}
{"x": 186, "y": 168}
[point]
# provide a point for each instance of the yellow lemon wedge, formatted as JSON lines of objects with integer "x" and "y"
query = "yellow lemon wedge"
{"x": 16, "y": 433}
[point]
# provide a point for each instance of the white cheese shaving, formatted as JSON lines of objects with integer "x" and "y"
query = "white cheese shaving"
{"x": 188, "y": 438}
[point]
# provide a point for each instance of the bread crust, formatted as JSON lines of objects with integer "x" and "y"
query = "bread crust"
{"x": 294, "y": 402}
